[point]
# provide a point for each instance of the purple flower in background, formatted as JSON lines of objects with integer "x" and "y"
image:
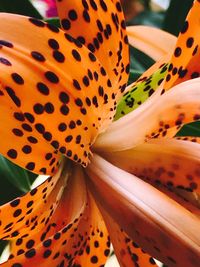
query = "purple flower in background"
{"x": 51, "y": 8}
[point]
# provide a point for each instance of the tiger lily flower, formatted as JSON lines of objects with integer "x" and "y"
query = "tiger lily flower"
{"x": 116, "y": 171}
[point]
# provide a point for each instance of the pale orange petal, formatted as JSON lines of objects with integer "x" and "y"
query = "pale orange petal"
{"x": 160, "y": 116}
{"x": 171, "y": 165}
{"x": 152, "y": 41}
{"x": 175, "y": 163}
{"x": 158, "y": 224}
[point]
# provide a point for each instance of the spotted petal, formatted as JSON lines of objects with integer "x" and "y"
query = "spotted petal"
{"x": 58, "y": 105}
{"x": 185, "y": 60}
{"x": 174, "y": 163}
{"x": 22, "y": 145}
{"x": 100, "y": 26}
{"x": 160, "y": 116}
{"x": 165, "y": 163}
{"x": 158, "y": 224}
{"x": 73, "y": 235}
{"x": 30, "y": 212}
{"x": 126, "y": 250}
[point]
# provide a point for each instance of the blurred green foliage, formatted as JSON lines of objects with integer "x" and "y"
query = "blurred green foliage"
{"x": 54, "y": 21}
{"x": 146, "y": 3}
{"x": 14, "y": 176}
{"x": 176, "y": 12}
{"x": 22, "y": 7}
{"x": 148, "y": 17}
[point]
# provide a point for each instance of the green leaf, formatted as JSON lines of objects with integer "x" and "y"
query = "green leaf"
{"x": 140, "y": 92}
{"x": 8, "y": 191}
{"x": 3, "y": 244}
{"x": 139, "y": 61}
{"x": 175, "y": 15}
{"x": 148, "y": 17}
{"x": 54, "y": 21}
{"x": 146, "y": 3}
{"x": 15, "y": 175}
{"x": 134, "y": 75}
{"x": 191, "y": 129}
{"x": 22, "y": 7}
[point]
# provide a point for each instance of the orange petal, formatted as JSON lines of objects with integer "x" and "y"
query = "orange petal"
{"x": 193, "y": 139}
{"x": 64, "y": 102}
{"x": 174, "y": 163}
{"x": 158, "y": 224}
{"x": 160, "y": 116}
{"x": 19, "y": 216}
{"x": 188, "y": 200}
{"x": 168, "y": 164}
{"x": 154, "y": 42}
{"x": 97, "y": 248}
{"x": 23, "y": 146}
{"x": 74, "y": 234}
{"x": 126, "y": 250}
{"x": 55, "y": 240}
{"x": 100, "y": 26}
{"x": 185, "y": 60}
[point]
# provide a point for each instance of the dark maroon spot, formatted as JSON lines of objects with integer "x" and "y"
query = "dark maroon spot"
{"x": 5, "y": 61}
{"x": 51, "y": 77}
{"x": 12, "y": 153}
{"x": 37, "y": 22}
{"x": 17, "y": 78}
{"x": 37, "y": 56}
